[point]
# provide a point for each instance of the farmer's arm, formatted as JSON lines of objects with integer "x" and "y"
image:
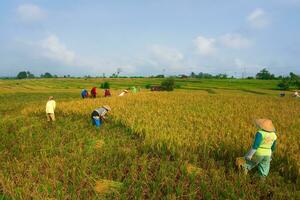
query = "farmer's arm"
{"x": 273, "y": 146}
{"x": 256, "y": 143}
{"x": 103, "y": 115}
{"x": 257, "y": 140}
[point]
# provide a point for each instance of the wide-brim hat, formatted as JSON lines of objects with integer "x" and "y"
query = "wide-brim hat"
{"x": 51, "y": 97}
{"x": 125, "y": 90}
{"x": 107, "y": 107}
{"x": 265, "y": 124}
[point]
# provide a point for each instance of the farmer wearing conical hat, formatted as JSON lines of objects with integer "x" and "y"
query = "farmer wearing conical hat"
{"x": 123, "y": 93}
{"x": 296, "y": 94}
{"x": 98, "y": 115}
{"x": 264, "y": 145}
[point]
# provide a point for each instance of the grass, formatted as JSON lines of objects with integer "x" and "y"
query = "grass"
{"x": 70, "y": 159}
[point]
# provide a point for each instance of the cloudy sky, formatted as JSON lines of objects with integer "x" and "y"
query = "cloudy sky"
{"x": 91, "y": 37}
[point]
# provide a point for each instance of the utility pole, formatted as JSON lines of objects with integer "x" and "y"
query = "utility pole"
{"x": 244, "y": 73}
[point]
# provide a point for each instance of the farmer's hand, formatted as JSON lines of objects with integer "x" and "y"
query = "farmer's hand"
{"x": 248, "y": 158}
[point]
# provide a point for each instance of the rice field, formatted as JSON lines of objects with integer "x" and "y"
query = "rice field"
{"x": 155, "y": 145}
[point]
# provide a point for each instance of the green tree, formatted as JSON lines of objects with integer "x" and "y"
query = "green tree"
{"x": 193, "y": 75}
{"x": 29, "y": 75}
{"x": 168, "y": 84}
{"x": 264, "y": 74}
{"x": 46, "y": 75}
{"x": 22, "y": 75}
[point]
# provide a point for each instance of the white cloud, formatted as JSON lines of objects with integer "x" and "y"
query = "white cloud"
{"x": 236, "y": 41}
{"x": 30, "y": 13}
{"x": 210, "y": 46}
{"x": 205, "y": 46}
{"x": 53, "y": 49}
{"x": 258, "y": 18}
{"x": 166, "y": 56}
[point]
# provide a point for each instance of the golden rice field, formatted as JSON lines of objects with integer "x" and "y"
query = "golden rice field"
{"x": 155, "y": 145}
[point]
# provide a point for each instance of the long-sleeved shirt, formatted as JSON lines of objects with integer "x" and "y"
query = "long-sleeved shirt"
{"x": 258, "y": 139}
{"x": 50, "y": 106}
{"x": 101, "y": 111}
{"x": 84, "y": 93}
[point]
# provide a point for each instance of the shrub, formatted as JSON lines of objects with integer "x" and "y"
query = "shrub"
{"x": 105, "y": 85}
{"x": 148, "y": 86}
{"x": 168, "y": 84}
{"x": 284, "y": 85}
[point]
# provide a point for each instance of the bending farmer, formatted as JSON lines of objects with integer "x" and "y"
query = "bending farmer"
{"x": 50, "y": 107}
{"x": 84, "y": 93}
{"x": 260, "y": 154}
{"x": 94, "y": 92}
{"x": 98, "y": 115}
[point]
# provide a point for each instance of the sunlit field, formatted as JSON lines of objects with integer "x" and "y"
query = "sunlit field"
{"x": 154, "y": 145}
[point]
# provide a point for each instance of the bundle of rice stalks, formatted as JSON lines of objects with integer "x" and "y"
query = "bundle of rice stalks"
{"x": 105, "y": 186}
{"x": 192, "y": 169}
{"x": 99, "y": 144}
{"x": 239, "y": 162}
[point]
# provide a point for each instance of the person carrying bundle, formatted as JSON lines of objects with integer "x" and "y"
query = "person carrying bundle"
{"x": 260, "y": 154}
{"x": 99, "y": 114}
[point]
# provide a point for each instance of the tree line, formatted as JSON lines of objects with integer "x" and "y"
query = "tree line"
{"x": 292, "y": 81}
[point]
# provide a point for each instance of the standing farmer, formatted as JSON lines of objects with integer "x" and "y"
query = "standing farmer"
{"x": 260, "y": 154}
{"x": 50, "y": 107}
{"x": 98, "y": 115}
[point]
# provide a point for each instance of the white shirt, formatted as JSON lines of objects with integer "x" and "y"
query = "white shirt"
{"x": 50, "y": 106}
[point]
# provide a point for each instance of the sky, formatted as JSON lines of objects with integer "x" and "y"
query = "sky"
{"x": 149, "y": 37}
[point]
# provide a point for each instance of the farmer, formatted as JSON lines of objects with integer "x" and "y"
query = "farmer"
{"x": 282, "y": 94}
{"x": 50, "y": 107}
{"x": 107, "y": 93}
{"x": 94, "y": 92}
{"x": 84, "y": 93}
{"x": 98, "y": 115}
{"x": 296, "y": 94}
{"x": 123, "y": 93}
{"x": 260, "y": 154}
{"x": 133, "y": 89}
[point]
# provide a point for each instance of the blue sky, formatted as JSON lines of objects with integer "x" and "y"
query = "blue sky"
{"x": 91, "y": 37}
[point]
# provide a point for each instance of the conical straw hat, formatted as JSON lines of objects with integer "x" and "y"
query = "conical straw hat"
{"x": 107, "y": 107}
{"x": 265, "y": 124}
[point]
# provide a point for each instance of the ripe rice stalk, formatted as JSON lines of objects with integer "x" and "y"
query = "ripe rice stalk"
{"x": 105, "y": 186}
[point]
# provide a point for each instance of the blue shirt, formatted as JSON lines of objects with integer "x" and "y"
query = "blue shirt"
{"x": 83, "y": 93}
